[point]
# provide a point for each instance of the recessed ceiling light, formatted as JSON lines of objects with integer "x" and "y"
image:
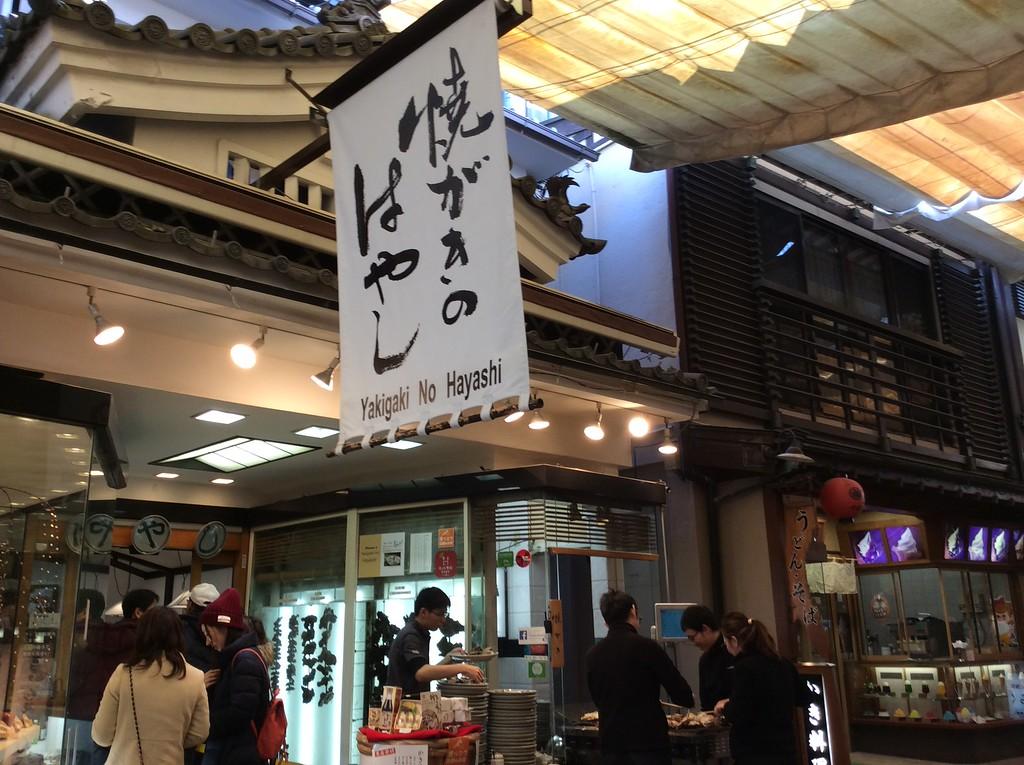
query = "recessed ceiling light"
{"x": 58, "y": 491}
{"x": 166, "y": 475}
{"x": 67, "y": 435}
{"x": 84, "y": 474}
{"x": 74, "y": 450}
{"x": 15, "y": 503}
{"x": 222, "y": 481}
{"x": 315, "y": 431}
{"x": 81, "y": 483}
{"x": 236, "y": 453}
{"x": 515, "y": 416}
{"x": 96, "y": 472}
{"x": 402, "y": 445}
{"x": 219, "y": 417}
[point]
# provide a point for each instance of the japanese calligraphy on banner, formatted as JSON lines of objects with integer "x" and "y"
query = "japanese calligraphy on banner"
{"x": 801, "y": 518}
{"x": 430, "y": 306}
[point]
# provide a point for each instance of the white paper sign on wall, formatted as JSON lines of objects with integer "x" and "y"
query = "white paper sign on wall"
{"x": 431, "y": 310}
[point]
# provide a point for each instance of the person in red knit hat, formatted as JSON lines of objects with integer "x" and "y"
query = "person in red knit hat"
{"x": 241, "y": 692}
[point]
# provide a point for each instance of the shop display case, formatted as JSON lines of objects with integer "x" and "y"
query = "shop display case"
{"x": 936, "y": 642}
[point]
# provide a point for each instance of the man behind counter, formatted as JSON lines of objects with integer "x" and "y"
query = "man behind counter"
{"x": 625, "y": 674}
{"x": 408, "y": 660}
{"x": 716, "y": 663}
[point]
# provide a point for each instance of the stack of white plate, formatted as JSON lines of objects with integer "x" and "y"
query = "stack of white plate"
{"x": 512, "y": 725}
{"x": 476, "y": 695}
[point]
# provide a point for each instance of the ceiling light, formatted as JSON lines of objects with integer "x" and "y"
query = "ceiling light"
{"x": 219, "y": 417}
{"x": 639, "y": 426}
{"x": 236, "y": 453}
{"x": 515, "y": 416}
{"x": 325, "y": 379}
{"x": 74, "y": 450}
{"x": 402, "y": 445}
{"x": 594, "y": 431}
{"x": 222, "y": 481}
{"x": 539, "y": 421}
{"x": 25, "y": 419}
{"x": 106, "y": 332}
{"x": 67, "y": 435}
{"x": 315, "y": 431}
{"x": 667, "y": 445}
{"x": 58, "y": 491}
{"x": 167, "y": 475}
{"x": 244, "y": 354}
{"x": 96, "y": 472}
{"x": 84, "y": 474}
{"x": 81, "y": 483}
{"x": 79, "y": 463}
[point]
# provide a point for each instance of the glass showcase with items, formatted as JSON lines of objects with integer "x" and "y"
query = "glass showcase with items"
{"x": 936, "y": 617}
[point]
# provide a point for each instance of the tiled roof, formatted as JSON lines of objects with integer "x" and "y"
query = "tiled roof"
{"x": 353, "y": 27}
{"x": 554, "y": 202}
{"x": 561, "y": 347}
{"x": 154, "y": 231}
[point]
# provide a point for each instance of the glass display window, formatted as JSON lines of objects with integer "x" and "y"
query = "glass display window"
{"x": 298, "y": 592}
{"x": 880, "y": 615}
{"x": 932, "y": 613}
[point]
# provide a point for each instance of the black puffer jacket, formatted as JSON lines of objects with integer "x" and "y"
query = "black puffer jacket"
{"x": 240, "y": 700}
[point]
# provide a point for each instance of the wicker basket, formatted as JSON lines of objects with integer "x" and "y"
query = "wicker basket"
{"x": 437, "y": 748}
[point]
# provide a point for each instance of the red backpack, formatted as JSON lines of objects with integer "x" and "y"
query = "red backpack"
{"x": 270, "y": 736}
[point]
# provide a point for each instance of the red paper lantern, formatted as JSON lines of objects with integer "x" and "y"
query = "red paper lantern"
{"x": 842, "y": 498}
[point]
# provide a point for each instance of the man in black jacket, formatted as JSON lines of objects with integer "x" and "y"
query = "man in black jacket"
{"x": 716, "y": 663}
{"x": 625, "y": 673}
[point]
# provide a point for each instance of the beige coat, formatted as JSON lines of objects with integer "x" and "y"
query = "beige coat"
{"x": 174, "y": 715}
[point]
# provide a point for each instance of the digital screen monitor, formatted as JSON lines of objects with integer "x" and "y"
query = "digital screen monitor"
{"x": 1001, "y": 544}
{"x": 954, "y": 547}
{"x": 868, "y": 547}
{"x": 904, "y": 543}
{"x": 668, "y": 618}
{"x": 977, "y": 545}
{"x": 1018, "y": 544}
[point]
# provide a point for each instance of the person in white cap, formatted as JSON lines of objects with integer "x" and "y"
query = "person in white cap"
{"x": 197, "y": 653}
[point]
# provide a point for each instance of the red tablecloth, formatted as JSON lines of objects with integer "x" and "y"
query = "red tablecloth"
{"x": 376, "y": 736}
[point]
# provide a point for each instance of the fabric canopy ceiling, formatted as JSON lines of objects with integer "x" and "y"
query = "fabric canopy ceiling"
{"x": 682, "y": 81}
{"x": 946, "y": 155}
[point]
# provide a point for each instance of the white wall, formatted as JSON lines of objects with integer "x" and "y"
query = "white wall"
{"x": 746, "y": 568}
{"x": 222, "y": 13}
{"x": 633, "y": 273}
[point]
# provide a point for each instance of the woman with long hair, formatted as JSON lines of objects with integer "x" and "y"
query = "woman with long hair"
{"x": 765, "y": 691}
{"x": 242, "y": 691}
{"x": 154, "y": 706}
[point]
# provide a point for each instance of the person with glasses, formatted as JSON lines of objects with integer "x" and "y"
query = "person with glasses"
{"x": 625, "y": 673}
{"x": 409, "y": 664}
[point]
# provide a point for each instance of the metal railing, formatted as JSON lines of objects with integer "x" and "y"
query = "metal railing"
{"x": 832, "y": 369}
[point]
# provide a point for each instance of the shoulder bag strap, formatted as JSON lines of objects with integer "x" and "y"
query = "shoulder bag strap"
{"x": 135, "y": 716}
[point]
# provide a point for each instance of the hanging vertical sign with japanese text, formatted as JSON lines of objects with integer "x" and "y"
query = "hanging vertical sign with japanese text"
{"x": 429, "y": 294}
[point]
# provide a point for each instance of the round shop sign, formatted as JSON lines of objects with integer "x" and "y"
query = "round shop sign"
{"x": 446, "y": 564}
{"x": 523, "y": 558}
{"x": 151, "y": 534}
{"x": 73, "y": 535}
{"x": 210, "y": 539}
{"x": 98, "y": 535}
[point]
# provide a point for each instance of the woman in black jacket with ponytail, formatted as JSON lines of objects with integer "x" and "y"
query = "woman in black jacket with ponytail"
{"x": 242, "y": 691}
{"x": 766, "y": 689}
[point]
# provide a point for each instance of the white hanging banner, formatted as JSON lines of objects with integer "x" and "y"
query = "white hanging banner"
{"x": 431, "y": 310}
